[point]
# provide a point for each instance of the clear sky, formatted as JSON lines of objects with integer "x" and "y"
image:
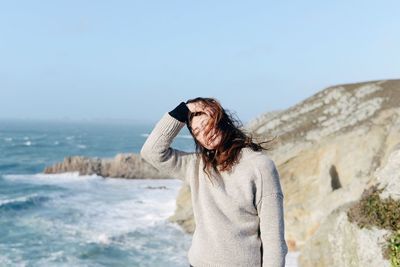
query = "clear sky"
{"x": 135, "y": 60}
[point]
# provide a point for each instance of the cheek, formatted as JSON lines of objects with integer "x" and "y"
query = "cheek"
{"x": 199, "y": 138}
{"x": 205, "y": 142}
{"x": 217, "y": 140}
{"x": 202, "y": 139}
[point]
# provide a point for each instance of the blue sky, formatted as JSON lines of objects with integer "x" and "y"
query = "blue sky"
{"x": 135, "y": 60}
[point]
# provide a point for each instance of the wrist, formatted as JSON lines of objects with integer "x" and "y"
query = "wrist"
{"x": 180, "y": 112}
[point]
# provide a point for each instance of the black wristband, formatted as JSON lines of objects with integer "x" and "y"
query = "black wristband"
{"x": 181, "y": 112}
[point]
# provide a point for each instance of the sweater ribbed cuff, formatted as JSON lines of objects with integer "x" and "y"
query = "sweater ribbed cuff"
{"x": 180, "y": 112}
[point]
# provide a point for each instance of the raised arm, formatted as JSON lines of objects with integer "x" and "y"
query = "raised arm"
{"x": 271, "y": 214}
{"x": 157, "y": 151}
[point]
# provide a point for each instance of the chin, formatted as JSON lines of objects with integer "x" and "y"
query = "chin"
{"x": 211, "y": 147}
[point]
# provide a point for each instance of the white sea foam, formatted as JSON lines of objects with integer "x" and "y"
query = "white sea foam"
{"x": 17, "y": 199}
{"x": 16, "y": 260}
{"x": 103, "y": 239}
{"x": 108, "y": 207}
{"x": 107, "y": 212}
{"x": 57, "y": 178}
{"x": 41, "y": 175}
{"x": 28, "y": 143}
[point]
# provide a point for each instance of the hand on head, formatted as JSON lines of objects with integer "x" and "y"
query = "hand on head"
{"x": 200, "y": 107}
{"x": 200, "y": 115}
{"x": 202, "y": 124}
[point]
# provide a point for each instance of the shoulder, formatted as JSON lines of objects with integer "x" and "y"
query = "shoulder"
{"x": 265, "y": 171}
{"x": 257, "y": 159}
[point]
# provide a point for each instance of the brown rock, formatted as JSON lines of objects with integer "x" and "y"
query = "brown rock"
{"x": 122, "y": 166}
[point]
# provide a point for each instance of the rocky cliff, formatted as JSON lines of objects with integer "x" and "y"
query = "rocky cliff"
{"x": 328, "y": 147}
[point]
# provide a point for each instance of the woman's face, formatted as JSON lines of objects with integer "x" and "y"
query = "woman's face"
{"x": 198, "y": 125}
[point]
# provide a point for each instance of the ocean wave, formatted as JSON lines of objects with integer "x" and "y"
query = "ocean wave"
{"x": 28, "y": 143}
{"x": 54, "y": 178}
{"x": 21, "y": 203}
{"x": 7, "y": 261}
{"x": 9, "y": 165}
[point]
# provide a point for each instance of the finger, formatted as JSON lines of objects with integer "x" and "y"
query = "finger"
{"x": 201, "y": 107}
{"x": 191, "y": 107}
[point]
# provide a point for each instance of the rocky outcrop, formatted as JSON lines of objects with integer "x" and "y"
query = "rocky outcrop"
{"x": 122, "y": 166}
{"x": 184, "y": 213}
{"x": 388, "y": 176}
{"x": 339, "y": 242}
{"x": 327, "y": 148}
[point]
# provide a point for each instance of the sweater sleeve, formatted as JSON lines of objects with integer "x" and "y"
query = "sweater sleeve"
{"x": 157, "y": 151}
{"x": 271, "y": 214}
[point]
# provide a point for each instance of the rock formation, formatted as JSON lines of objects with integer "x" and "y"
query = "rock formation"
{"x": 122, "y": 166}
{"x": 184, "y": 213}
{"x": 328, "y": 147}
{"x": 339, "y": 242}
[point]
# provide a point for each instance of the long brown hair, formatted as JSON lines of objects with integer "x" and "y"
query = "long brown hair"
{"x": 234, "y": 137}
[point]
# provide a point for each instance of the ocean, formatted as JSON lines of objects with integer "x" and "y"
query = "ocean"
{"x": 71, "y": 220}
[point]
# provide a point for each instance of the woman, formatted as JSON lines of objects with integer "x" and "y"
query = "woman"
{"x": 236, "y": 193}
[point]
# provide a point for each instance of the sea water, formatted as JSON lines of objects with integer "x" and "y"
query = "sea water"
{"x": 71, "y": 220}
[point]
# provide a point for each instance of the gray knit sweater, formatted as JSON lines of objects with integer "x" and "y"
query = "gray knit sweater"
{"x": 239, "y": 219}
